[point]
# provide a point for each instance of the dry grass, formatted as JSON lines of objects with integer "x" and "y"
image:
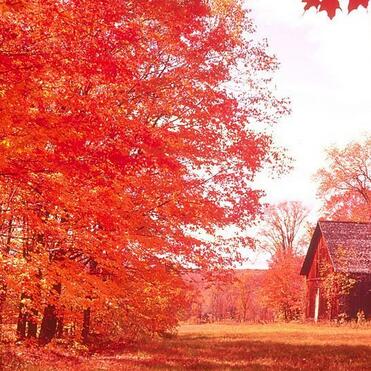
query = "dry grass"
{"x": 224, "y": 347}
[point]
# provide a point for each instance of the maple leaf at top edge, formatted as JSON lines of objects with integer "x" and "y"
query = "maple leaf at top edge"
{"x": 311, "y": 3}
{"x": 329, "y": 6}
{"x": 354, "y": 4}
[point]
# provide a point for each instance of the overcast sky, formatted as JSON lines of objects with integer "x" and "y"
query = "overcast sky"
{"x": 326, "y": 71}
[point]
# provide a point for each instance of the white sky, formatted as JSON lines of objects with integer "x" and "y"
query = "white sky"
{"x": 326, "y": 71}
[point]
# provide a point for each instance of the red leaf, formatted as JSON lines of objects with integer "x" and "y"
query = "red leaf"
{"x": 354, "y": 4}
{"x": 330, "y": 7}
{"x": 311, "y": 3}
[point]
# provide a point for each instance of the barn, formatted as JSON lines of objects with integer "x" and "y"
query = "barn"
{"x": 338, "y": 271}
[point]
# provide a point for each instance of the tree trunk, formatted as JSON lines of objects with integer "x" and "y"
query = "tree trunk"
{"x": 32, "y": 324}
{"x": 59, "y": 331}
{"x": 27, "y": 324}
{"x": 22, "y": 320}
{"x": 3, "y": 290}
{"x": 49, "y": 322}
{"x": 86, "y": 326}
{"x": 9, "y": 238}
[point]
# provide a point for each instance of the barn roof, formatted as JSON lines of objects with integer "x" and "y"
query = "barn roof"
{"x": 348, "y": 243}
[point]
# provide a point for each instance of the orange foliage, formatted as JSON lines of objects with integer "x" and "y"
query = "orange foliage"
{"x": 119, "y": 138}
{"x": 345, "y": 184}
{"x": 283, "y": 288}
{"x": 232, "y": 297}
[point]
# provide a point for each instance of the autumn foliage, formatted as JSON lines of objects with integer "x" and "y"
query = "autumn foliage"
{"x": 121, "y": 139}
{"x": 283, "y": 289}
{"x": 232, "y": 297}
{"x": 283, "y": 235}
{"x": 345, "y": 183}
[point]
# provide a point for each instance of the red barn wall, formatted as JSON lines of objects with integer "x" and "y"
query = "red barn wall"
{"x": 359, "y": 298}
{"x": 320, "y": 258}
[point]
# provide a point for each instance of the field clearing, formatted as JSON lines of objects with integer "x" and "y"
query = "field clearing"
{"x": 288, "y": 333}
{"x": 222, "y": 347}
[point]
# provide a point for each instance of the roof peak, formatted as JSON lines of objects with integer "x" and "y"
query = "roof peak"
{"x": 342, "y": 221}
{"x": 354, "y": 236}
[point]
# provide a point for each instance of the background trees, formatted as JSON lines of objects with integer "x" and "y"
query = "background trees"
{"x": 345, "y": 184}
{"x": 234, "y": 297}
{"x": 121, "y": 138}
{"x": 283, "y": 235}
{"x": 283, "y": 228}
{"x": 283, "y": 289}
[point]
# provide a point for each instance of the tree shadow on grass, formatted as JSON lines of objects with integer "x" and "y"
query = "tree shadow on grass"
{"x": 227, "y": 354}
{"x": 197, "y": 353}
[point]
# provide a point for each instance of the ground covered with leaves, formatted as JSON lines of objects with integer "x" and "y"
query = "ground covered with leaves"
{"x": 213, "y": 346}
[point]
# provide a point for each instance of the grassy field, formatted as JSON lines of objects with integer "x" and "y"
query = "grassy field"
{"x": 221, "y": 347}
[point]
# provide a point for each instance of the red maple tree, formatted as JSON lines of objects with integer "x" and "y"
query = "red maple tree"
{"x": 121, "y": 138}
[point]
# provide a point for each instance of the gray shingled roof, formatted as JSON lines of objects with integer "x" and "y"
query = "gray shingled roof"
{"x": 349, "y": 246}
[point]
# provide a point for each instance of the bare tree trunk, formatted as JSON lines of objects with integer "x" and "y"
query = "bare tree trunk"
{"x": 9, "y": 238}
{"x": 27, "y": 324}
{"x": 32, "y": 324}
{"x": 22, "y": 320}
{"x": 3, "y": 290}
{"x": 49, "y": 322}
{"x": 48, "y": 325}
{"x": 59, "y": 330}
{"x": 86, "y": 326}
